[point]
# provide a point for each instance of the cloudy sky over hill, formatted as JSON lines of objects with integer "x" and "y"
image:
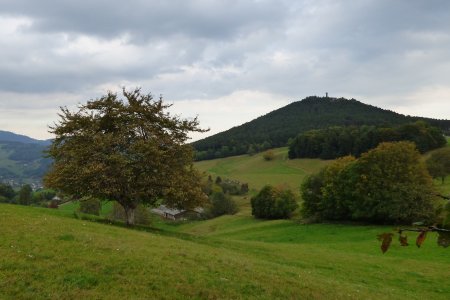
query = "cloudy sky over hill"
{"x": 227, "y": 61}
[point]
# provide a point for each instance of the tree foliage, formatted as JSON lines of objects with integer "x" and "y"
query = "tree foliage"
{"x": 90, "y": 205}
{"x": 129, "y": 150}
{"x": 222, "y": 204}
{"x": 389, "y": 184}
{"x": 335, "y": 142}
{"x": 438, "y": 163}
{"x": 25, "y": 195}
{"x": 273, "y": 203}
{"x": 7, "y": 193}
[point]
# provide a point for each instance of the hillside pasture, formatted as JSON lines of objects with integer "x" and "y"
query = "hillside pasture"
{"x": 258, "y": 172}
{"x": 46, "y": 255}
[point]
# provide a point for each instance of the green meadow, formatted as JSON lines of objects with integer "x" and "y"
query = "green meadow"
{"x": 50, "y": 254}
{"x": 47, "y": 254}
{"x": 257, "y": 172}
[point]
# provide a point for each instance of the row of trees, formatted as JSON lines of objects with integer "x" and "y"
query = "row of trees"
{"x": 389, "y": 184}
{"x": 336, "y": 142}
{"x": 26, "y": 195}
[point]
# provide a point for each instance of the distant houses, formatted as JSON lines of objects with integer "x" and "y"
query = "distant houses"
{"x": 176, "y": 214}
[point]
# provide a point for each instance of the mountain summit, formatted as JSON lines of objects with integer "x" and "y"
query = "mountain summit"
{"x": 277, "y": 127}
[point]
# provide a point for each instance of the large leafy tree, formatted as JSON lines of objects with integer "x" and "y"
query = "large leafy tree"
{"x": 438, "y": 163}
{"x": 130, "y": 150}
{"x": 389, "y": 184}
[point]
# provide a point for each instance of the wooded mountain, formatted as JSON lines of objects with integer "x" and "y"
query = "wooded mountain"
{"x": 7, "y": 136}
{"x": 22, "y": 159}
{"x": 277, "y": 127}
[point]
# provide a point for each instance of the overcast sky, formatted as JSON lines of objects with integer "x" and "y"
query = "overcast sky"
{"x": 226, "y": 61}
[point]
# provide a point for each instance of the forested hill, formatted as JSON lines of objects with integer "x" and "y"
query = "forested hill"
{"x": 277, "y": 127}
{"x": 22, "y": 159}
{"x": 7, "y": 136}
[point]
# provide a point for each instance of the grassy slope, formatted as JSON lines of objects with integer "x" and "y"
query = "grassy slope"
{"x": 46, "y": 255}
{"x": 258, "y": 172}
{"x": 233, "y": 256}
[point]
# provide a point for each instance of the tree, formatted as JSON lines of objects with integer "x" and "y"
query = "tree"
{"x": 387, "y": 184}
{"x": 438, "y": 163}
{"x": 392, "y": 184}
{"x": 273, "y": 203}
{"x": 327, "y": 194}
{"x": 25, "y": 195}
{"x": 7, "y": 193}
{"x": 127, "y": 150}
{"x": 222, "y": 204}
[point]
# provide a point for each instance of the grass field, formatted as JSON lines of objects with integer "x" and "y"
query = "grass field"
{"x": 44, "y": 254}
{"x": 257, "y": 172}
{"x": 47, "y": 253}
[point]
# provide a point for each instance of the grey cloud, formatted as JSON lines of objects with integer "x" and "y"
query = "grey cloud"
{"x": 207, "y": 49}
{"x": 148, "y": 19}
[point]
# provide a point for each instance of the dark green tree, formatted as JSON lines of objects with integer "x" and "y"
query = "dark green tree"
{"x": 25, "y": 195}
{"x": 129, "y": 150}
{"x": 7, "y": 193}
{"x": 222, "y": 204}
{"x": 438, "y": 163}
{"x": 273, "y": 203}
{"x": 389, "y": 184}
{"x": 327, "y": 195}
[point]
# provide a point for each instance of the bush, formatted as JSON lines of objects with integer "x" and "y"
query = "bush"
{"x": 90, "y": 205}
{"x": 273, "y": 203}
{"x": 269, "y": 155}
{"x": 222, "y": 204}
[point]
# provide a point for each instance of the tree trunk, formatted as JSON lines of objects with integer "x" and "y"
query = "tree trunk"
{"x": 129, "y": 214}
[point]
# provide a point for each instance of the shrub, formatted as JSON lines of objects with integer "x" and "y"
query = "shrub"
{"x": 273, "y": 203}
{"x": 269, "y": 155}
{"x": 222, "y": 204}
{"x": 90, "y": 205}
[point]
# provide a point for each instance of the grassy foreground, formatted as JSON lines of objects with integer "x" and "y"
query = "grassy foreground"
{"x": 44, "y": 254}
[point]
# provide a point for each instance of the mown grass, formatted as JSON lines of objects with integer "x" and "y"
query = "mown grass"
{"x": 45, "y": 255}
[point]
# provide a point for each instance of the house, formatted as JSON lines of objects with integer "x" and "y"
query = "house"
{"x": 176, "y": 214}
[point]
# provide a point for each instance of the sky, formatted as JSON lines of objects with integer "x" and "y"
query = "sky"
{"x": 227, "y": 61}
